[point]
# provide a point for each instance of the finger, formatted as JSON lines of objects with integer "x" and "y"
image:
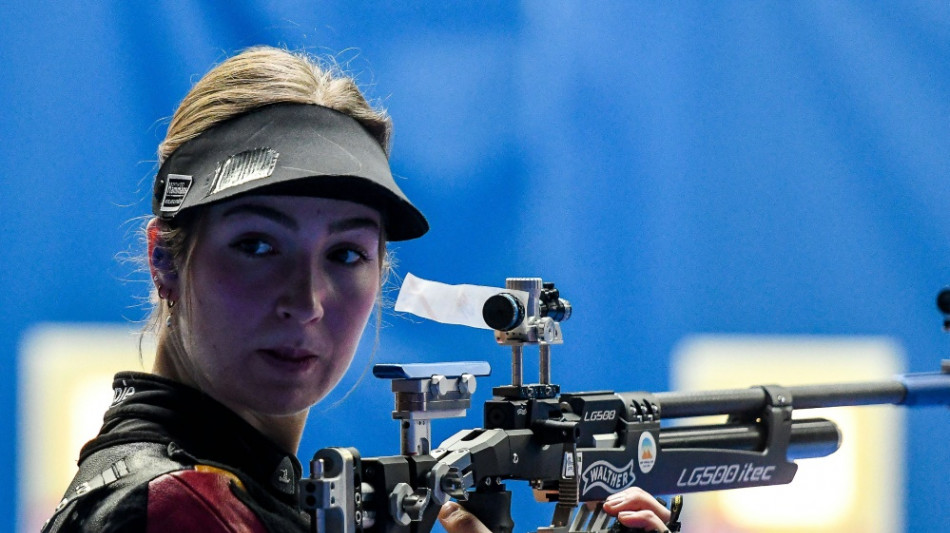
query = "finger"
{"x": 647, "y": 520}
{"x": 636, "y": 499}
{"x": 455, "y": 519}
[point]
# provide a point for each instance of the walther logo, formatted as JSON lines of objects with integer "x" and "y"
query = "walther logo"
{"x": 703, "y": 476}
{"x": 597, "y": 416}
{"x": 608, "y": 477}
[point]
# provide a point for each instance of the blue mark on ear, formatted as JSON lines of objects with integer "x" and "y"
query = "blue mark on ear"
{"x": 162, "y": 260}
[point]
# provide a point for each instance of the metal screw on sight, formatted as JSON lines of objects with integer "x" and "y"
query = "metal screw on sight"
{"x": 439, "y": 386}
{"x": 466, "y": 384}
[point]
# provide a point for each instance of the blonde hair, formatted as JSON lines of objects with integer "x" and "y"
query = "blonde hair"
{"x": 265, "y": 75}
{"x": 255, "y": 77}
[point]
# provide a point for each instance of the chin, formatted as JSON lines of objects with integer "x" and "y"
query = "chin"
{"x": 296, "y": 408}
{"x": 283, "y": 404}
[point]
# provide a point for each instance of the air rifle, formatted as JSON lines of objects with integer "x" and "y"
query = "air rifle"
{"x": 575, "y": 449}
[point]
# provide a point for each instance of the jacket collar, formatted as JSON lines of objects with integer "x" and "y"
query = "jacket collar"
{"x": 150, "y": 408}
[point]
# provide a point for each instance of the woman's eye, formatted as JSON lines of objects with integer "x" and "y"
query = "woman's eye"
{"x": 348, "y": 256}
{"x": 254, "y": 247}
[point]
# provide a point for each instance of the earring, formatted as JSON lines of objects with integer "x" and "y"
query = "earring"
{"x": 171, "y": 303}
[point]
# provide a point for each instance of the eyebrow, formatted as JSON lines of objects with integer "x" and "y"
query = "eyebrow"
{"x": 353, "y": 223}
{"x": 263, "y": 211}
{"x": 283, "y": 219}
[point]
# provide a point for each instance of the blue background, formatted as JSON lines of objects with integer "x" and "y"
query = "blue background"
{"x": 676, "y": 167}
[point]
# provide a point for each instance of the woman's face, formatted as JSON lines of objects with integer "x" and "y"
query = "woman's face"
{"x": 276, "y": 296}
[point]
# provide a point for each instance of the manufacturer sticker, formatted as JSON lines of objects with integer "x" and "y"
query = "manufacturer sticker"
{"x": 713, "y": 475}
{"x": 567, "y": 467}
{"x": 605, "y": 475}
{"x": 119, "y": 395}
{"x": 176, "y": 188}
{"x": 241, "y": 168}
{"x": 646, "y": 452}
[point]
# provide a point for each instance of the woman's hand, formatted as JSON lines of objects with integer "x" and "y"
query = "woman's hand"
{"x": 455, "y": 519}
{"x": 636, "y": 508}
{"x": 633, "y": 507}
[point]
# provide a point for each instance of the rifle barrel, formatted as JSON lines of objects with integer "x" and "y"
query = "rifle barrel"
{"x": 812, "y": 437}
{"x": 753, "y": 400}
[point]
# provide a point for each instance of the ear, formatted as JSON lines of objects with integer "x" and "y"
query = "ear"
{"x": 161, "y": 264}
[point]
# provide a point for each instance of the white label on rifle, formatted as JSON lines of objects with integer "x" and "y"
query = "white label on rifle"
{"x": 567, "y": 469}
{"x": 646, "y": 452}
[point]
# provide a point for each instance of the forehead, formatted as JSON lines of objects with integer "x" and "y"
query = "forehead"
{"x": 293, "y": 210}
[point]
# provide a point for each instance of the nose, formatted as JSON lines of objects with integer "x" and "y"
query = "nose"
{"x": 305, "y": 294}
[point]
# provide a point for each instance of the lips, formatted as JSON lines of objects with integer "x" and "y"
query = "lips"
{"x": 288, "y": 358}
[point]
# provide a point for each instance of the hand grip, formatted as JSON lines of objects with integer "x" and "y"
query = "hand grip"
{"x": 493, "y": 508}
{"x": 617, "y": 527}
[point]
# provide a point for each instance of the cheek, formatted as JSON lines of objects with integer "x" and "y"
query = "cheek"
{"x": 231, "y": 286}
{"x": 221, "y": 305}
{"x": 370, "y": 291}
{"x": 356, "y": 305}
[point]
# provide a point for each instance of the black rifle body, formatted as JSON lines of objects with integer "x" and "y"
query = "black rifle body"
{"x": 579, "y": 448}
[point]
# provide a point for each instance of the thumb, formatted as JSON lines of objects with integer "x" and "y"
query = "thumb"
{"x": 455, "y": 519}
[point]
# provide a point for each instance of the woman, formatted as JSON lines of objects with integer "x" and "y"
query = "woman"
{"x": 273, "y": 206}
